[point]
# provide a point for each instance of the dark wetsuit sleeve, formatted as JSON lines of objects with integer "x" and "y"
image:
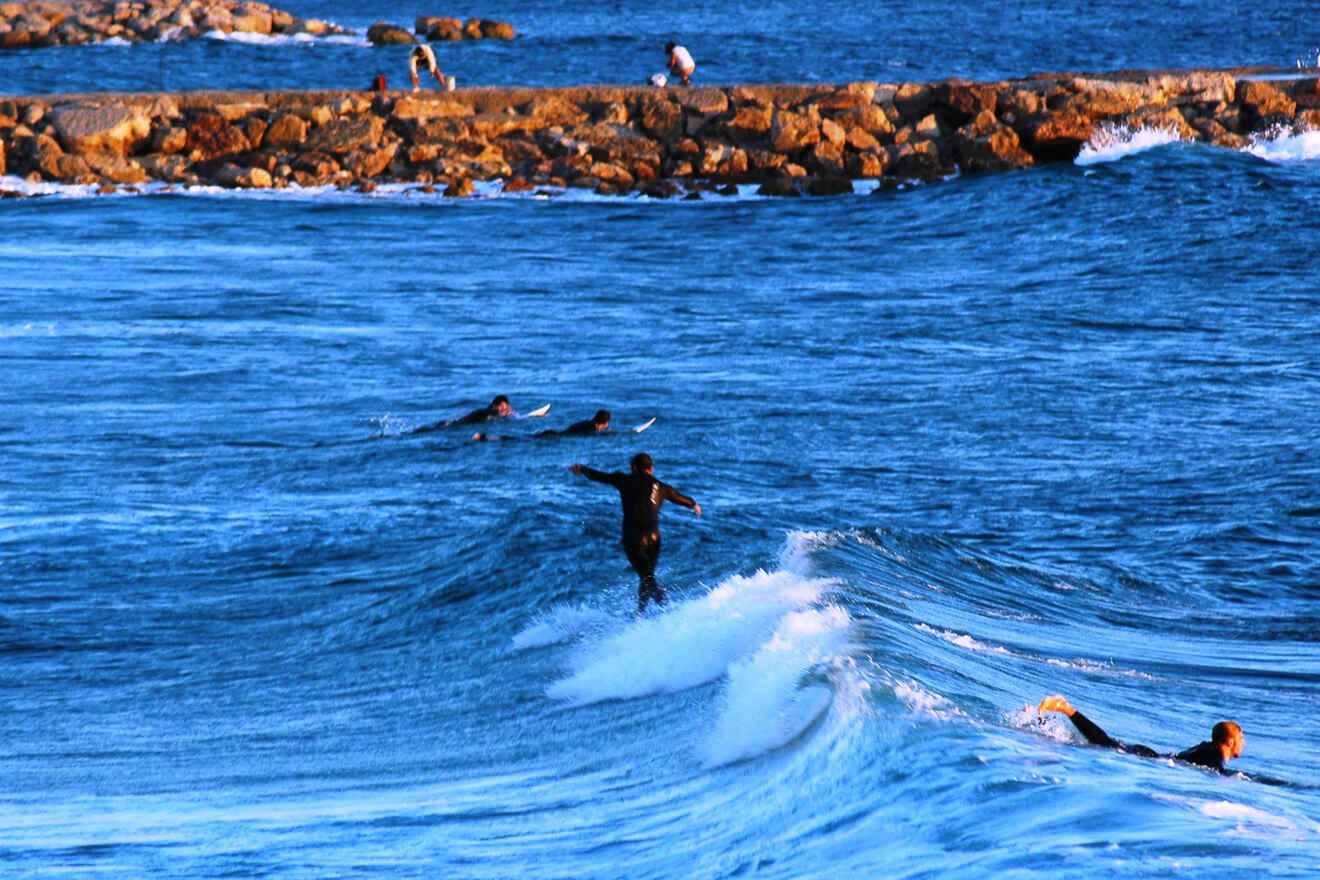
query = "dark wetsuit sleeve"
{"x": 603, "y": 477}
{"x": 1094, "y": 735}
{"x": 672, "y": 494}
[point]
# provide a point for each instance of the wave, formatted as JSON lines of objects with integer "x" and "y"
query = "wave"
{"x": 256, "y": 39}
{"x": 781, "y": 647}
{"x": 1285, "y": 145}
{"x": 1109, "y": 143}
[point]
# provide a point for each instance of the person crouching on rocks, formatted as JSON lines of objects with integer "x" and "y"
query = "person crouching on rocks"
{"x": 424, "y": 56}
{"x": 681, "y": 64}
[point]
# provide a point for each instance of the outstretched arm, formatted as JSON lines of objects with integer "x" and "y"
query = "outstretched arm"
{"x": 679, "y": 498}
{"x": 595, "y": 475}
{"x": 1085, "y": 726}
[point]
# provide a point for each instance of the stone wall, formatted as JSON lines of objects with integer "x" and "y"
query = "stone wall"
{"x": 789, "y": 139}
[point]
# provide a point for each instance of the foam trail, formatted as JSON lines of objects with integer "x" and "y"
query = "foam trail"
{"x": 693, "y": 642}
{"x": 763, "y": 705}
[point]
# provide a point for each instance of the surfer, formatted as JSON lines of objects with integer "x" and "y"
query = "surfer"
{"x": 1225, "y": 741}
{"x": 641, "y": 494}
{"x": 594, "y": 425}
{"x": 498, "y": 408}
{"x": 681, "y": 64}
{"x": 424, "y": 56}
{"x": 597, "y": 424}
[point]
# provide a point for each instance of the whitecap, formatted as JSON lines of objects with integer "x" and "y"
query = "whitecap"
{"x": 763, "y": 706}
{"x": 692, "y": 642}
{"x": 1285, "y": 145}
{"x": 1110, "y": 143}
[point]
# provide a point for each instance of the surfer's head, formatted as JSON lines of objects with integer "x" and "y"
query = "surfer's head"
{"x": 500, "y": 404}
{"x": 601, "y": 419}
{"x": 1228, "y": 736}
{"x": 669, "y": 47}
{"x": 641, "y": 463}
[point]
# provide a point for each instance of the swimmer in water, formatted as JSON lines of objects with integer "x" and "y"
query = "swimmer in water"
{"x": 1226, "y": 740}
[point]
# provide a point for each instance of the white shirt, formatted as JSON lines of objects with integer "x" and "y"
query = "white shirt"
{"x": 681, "y": 59}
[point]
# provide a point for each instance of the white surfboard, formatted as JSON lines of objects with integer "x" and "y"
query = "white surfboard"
{"x": 644, "y": 425}
{"x": 538, "y": 412}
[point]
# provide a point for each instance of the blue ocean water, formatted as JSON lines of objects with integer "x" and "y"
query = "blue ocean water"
{"x": 957, "y": 447}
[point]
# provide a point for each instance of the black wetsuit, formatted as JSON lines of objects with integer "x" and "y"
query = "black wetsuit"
{"x": 1207, "y": 754}
{"x": 642, "y": 495}
{"x": 586, "y": 426}
{"x": 485, "y": 414}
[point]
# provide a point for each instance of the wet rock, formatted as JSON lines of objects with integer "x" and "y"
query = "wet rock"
{"x": 779, "y": 186}
{"x": 1056, "y": 137}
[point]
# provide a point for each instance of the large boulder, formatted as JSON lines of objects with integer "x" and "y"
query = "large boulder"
{"x": 496, "y": 30}
{"x": 211, "y": 136}
{"x": 345, "y": 135}
{"x": 791, "y": 132}
{"x": 385, "y": 34}
{"x": 1056, "y": 137}
{"x": 660, "y": 117}
{"x": 111, "y": 128}
{"x": 286, "y": 130}
{"x": 1260, "y": 99}
{"x": 552, "y": 109}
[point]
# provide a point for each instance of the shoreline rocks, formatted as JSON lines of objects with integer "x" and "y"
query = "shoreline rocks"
{"x": 37, "y": 25}
{"x": 663, "y": 142}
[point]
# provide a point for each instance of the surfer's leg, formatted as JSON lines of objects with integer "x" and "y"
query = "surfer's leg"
{"x": 642, "y": 554}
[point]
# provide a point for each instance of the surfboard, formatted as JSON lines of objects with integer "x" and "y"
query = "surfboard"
{"x": 644, "y": 425}
{"x": 538, "y": 412}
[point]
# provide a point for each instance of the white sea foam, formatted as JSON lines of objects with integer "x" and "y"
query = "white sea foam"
{"x": 1247, "y": 821}
{"x": 561, "y": 624}
{"x": 963, "y": 640}
{"x": 401, "y": 193}
{"x": 691, "y": 642}
{"x": 782, "y": 647}
{"x": 1110, "y": 143}
{"x": 1285, "y": 145}
{"x": 255, "y": 39}
{"x": 763, "y": 706}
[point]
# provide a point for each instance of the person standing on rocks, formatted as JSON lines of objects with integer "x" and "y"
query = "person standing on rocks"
{"x": 681, "y": 64}
{"x": 424, "y": 56}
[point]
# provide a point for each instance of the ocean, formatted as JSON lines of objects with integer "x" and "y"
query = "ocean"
{"x": 957, "y": 447}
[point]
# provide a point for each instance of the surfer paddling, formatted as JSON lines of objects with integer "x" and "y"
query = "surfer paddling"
{"x": 498, "y": 408}
{"x": 641, "y": 494}
{"x": 1225, "y": 741}
{"x": 597, "y": 424}
{"x": 585, "y": 428}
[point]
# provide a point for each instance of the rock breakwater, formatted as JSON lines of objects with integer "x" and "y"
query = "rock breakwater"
{"x": 788, "y": 139}
{"x": 36, "y": 25}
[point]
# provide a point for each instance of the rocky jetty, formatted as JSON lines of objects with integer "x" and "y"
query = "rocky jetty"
{"x": 788, "y": 139}
{"x": 440, "y": 29}
{"x": 36, "y": 25}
